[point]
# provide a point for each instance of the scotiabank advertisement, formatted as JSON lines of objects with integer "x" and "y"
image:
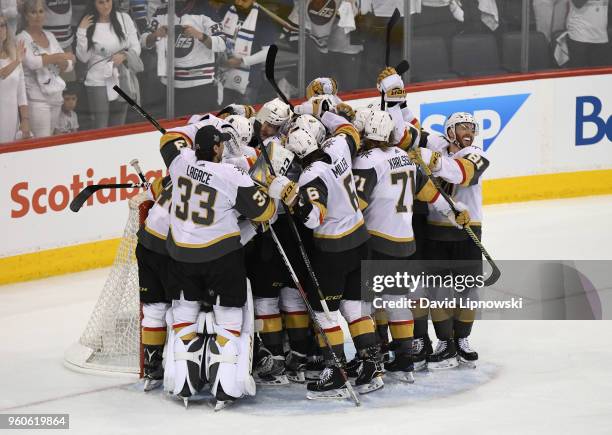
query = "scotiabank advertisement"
{"x": 527, "y": 127}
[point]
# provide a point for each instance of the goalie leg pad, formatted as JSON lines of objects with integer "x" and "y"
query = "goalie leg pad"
{"x": 186, "y": 377}
{"x": 229, "y": 358}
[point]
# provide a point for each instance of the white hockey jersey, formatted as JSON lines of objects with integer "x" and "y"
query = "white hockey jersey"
{"x": 58, "y": 16}
{"x": 154, "y": 233}
{"x": 206, "y": 197}
{"x": 388, "y": 184}
{"x": 194, "y": 63}
{"x": 463, "y": 182}
{"x": 328, "y": 201}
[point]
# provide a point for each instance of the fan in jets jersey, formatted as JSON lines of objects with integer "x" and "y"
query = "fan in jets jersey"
{"x": 329, "y": 205}
{"x": 207, "y": 264}
{"x": 387, "y": 182}
{"x": 448, "y": 243}
{"x": 198, "y": 38}
{"x": 152, "y": 257}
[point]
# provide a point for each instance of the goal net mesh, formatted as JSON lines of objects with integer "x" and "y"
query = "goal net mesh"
{"x": 111, "y": 340}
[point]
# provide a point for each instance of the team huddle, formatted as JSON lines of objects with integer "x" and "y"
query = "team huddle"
{"x": 253, "y": 246}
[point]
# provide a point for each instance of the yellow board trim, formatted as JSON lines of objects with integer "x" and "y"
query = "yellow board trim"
{"x": 43, "y": 264}
{"x": 86, "y": 256}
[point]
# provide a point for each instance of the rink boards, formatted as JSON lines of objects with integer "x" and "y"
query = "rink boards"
{"x": 549, "y": 136}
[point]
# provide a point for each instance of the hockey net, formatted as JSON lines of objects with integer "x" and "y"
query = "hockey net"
{"x": 111, "y": 340}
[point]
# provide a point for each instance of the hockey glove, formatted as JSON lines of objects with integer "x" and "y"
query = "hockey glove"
{"x": 316, "y": 106}
{"x": 345, "y": 111}
{"x": 461, "y": 219}
{"x": 426, "y": 157}
{"x": 392, "y": 86}
{"x": 284, "y": 189}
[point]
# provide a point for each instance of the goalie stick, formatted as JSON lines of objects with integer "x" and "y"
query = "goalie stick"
{"x": 270, "y": 60}
{"x": 495, "y": 272}
{"x": 84, "y": 195}
{"x": 136, "y": 167}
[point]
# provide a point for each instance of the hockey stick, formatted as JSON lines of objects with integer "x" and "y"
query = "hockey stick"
{"x": 270, "y": 61}
{"x": 318, "y": 328}
{"x": 392, "y": 22}
{"x": 84, "y": 195}
{"x": 495, "y": 272}
{"x": 139, "y": 109}
{"x": 136, "y": 167}
{"x": 279, "y": 20}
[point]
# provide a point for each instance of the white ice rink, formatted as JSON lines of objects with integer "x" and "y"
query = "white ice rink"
{"x": 534, "y": 377}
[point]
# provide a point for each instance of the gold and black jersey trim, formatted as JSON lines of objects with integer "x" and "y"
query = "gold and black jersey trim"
{"x": 203, "y": 252}
{"x": 352, "y": 137}
{"x": 170, "y": 145}
{"x": 344, "y": 241}
{"x": 389, "y": 245}
{"x": 152, "y": 240}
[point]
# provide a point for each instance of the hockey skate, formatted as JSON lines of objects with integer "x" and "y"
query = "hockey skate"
{"x": 153, "y": 369}
{"x": 419, "y": 354}
{"x": 314, "y": 366}
{"x": 401, "y": 368}
{"x": 329, "y": 386}
{"x": 270, "y": 369}
{"x": 295, "y": 367}
{"x": 369, "y": 377}
{"x": 444, "y": 357}
{"x": 352, "y": 367}
{"x": 466, "y": 356}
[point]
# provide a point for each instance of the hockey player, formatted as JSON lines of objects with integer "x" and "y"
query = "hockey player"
{"x": 328, "y": 204}
{"x": 277, "y": 302}
{"x": 152, "y": 257}
{"x": 387, "y": 183}
{"x": 208, "y": 265}
{"x": 452, "y": 244}
{"x": 408, "y": 135}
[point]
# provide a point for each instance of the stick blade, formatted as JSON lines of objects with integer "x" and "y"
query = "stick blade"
{"x": 394, "y": 19}
{"x": 270, "y": 62}
{"x": 402, "y": 67}
{"x": 80, "y": 199}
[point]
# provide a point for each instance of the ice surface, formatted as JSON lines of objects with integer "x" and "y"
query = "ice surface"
{"x": 533, "y": 376}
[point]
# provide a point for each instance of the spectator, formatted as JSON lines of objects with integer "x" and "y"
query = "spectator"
{"x": 550, "y": 16}
{"x": 197, "y": 39}
{"x": 8, "y": 9}
{"x": 104, "y": 38}
{"x": 587, "y": 24}
{"x": 58, "y": 15}
{"x": 68, "y": 121}
{"x": 437, "y": 18}
{"x": 345, "y": 49}
{"x": 43, "y": 62}
{"x": 249, "y": 33}
{"x": 12, "y": 87}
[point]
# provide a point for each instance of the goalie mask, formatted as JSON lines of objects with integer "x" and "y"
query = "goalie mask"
{"x": 456, "y": 119}
{"x": 378, "y": 126}
{"x": 321, "y": 86}
{"x": 301, "y": 143}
